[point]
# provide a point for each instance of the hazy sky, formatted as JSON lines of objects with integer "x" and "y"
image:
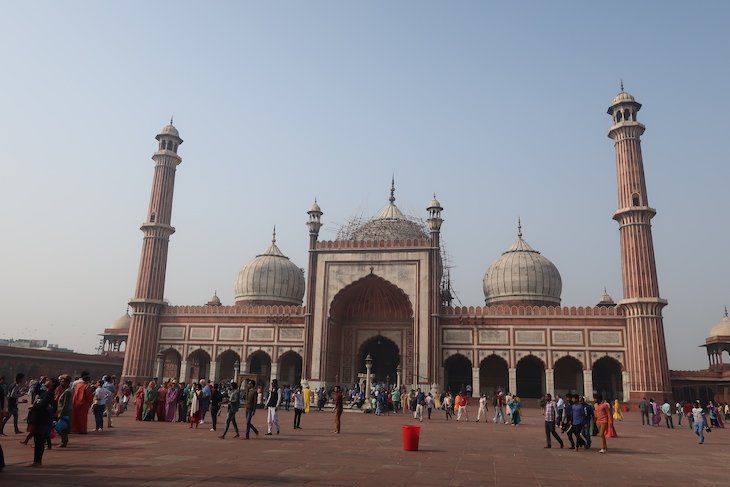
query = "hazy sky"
{"x": 499, "y": 108}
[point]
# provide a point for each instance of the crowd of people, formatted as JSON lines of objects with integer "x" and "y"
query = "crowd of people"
{"x": 60, "y": 407}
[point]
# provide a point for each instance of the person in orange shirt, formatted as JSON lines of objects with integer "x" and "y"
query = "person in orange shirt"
{"x": 604, "y": 419}
{"x": 457, "y": 403}
{"x": 83, "y": 396}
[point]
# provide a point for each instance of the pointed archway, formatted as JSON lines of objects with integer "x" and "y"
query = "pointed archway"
{"x": 364, "y": 314}
{"x": 530, "y": 377}
{"x": 607, "y": 378}
{"x": 199, "y": 366}
{"x": 457, "y": 373}
{"x": 290, "y": 369}
{"x": 568, "y": 375}
{"x": 171, "y": 364}
{"x": 493, "y": 373}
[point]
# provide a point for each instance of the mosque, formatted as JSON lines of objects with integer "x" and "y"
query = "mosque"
{"x": 378, "y": 293}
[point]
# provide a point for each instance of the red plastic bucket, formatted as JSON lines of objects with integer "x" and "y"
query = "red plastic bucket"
{"x": 411, "y": 434}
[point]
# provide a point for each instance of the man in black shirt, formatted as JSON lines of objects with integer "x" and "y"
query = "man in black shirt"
{"x": 216, "y": 398}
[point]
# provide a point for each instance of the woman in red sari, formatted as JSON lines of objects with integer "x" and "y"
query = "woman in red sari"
{"x": 138, "y": 402}
{"x": 161, "y": 401}
{"x": 82, "y": 399}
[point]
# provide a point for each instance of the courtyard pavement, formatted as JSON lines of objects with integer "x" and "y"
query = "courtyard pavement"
{"x": 368, "y": 451}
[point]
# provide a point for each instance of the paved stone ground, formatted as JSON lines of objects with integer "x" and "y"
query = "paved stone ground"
{"x": 451, "y": 454}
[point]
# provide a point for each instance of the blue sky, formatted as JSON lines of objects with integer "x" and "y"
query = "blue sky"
{"x": 498, "y": 108}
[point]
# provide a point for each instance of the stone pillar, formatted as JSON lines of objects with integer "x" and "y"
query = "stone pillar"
{"x": 626, "y": 384}
{"x": 159, "y": 367}
{"x": 214, "y": 371}
{"x": 588, "y": 384}
{"x": 512, "y": 380}
{"x": 274, "y": 372}
{"x": 244, "y": 367}
{"x": 550, "y": 381}
{"x": 475, "y": 388}
{"x": 184, "y": 366}
{"x": 398, "y": 373}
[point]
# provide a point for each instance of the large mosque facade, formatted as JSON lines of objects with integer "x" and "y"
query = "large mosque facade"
{"x": 378, "y": 290}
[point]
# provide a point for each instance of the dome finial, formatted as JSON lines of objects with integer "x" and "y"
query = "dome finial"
{"x": 725, "y": 311}
{"x": 622, "y": 84}
{"x": 273, "y": 236}
{"x": 519, "y": 227}
{"x": 392, "y": 189}
{"x": 171, "y": 117}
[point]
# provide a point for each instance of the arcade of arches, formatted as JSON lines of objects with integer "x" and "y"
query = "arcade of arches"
{"x": 530, "y": 379}
{"x": 228, "y": 365}
{"x": 370, "y": 316}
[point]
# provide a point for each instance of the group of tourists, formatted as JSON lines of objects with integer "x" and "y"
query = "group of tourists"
{"x": 58, "y": 407}
{"x": 652, "y": 413}
{"x": 579, "y": 420}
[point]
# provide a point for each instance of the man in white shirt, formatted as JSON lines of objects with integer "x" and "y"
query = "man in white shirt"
{"x": 482, "y": 408}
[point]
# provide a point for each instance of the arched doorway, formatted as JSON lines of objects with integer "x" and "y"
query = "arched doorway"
{"x": 227, "y": 368}
{"x": 260, "y": 364}
{"x": 369, "y": 307}
{"x": 199, "y": 365}
{"x": 290, "y": 369}
{"x": 386, "y": 357}
{"x": 171, "y": 365}
{"x": 568, "y": 374}
{"x": 607, "y": 378}
{"x": 530, "y": 377}
{"x": 457, "y": 373}
{"x": 493, "y": 373}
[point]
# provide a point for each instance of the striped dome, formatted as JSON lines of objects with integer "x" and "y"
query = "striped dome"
{"x": 270, "y": 278}
{"x": 522, "y": 276}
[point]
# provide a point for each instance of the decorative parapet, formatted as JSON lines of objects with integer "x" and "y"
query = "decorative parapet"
{"x": 243, "y": 310}
{"x": 371, "y": 244}
{"x": 505, "y": 310}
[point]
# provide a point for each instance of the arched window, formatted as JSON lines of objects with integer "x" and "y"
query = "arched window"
{"x": 618, "y": 116}
{"x": 635, "y": 199}
{"x": 627, "y": 115}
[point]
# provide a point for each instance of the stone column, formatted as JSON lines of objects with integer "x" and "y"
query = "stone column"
{"x": 626, "y": 384}
{"x": 184, "y": 365}
{"x": 512, "y": 380}
{"x": 244, "y": 367}
{"x": 159, "y": 367}
{"x": 398, "y": 373}
{"x": 274, "y": 372}
{"x": 214, "y": 371}
{"x": 550, "y": 381}
{"x": 475, "y": 387}
{"x": 588, "y": 384}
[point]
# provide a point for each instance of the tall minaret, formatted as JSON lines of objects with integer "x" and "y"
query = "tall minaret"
{"x": 314, "y": 224}
{"x": 139, "y": 359}
{"x": 435, "y": 273}
{"x": 647, "y": 351}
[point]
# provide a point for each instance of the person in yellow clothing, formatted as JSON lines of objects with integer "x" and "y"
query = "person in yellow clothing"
{"x": 307, "y": 392}
{"x": 617, "y": 414}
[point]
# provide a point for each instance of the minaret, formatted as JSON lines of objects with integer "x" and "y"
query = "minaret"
{"x": 642, "y": 306}
{"x": 139, "y": 359}
{"x": 314, "y": 224}
{"x": 435, "y": 272}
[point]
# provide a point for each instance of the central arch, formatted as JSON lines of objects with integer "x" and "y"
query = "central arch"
{"x": 568, "y": 374}
{"x": 493, "y": 373}
{"x": 386, "y": 358}
{"x": 370, "y": 315}
{"x": 457, "y": 373}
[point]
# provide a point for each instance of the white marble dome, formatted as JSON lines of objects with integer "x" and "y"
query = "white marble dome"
{"x": 389, "y": 224}
{"x": 122, "y": 323}
{"x": 521, "y": 275}
{"x": 722, "y": 328}
{"x": 270, "y": 278}
{"x": 169, "y": 129}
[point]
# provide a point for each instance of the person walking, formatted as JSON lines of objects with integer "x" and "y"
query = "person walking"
{"x": 250, "y": 404}
{"x": 576, "y": 416}
{"x": 499, "y": 406}
{"x": 337, "y": 409}
{"x": 551, "y": 414}
{"x": 272, "y": 403}
{"x": 560, "y": 405}
{"x": 699, "y": 420}
{"x": 420, "y": 403}
{"x": 234, "y": 402}
{"x": 298, "y": 406}
{"x": 515, "y": 409}
{"x": 39, "y": 419}
{"x": 15, "y": 392}
{"x": 65, "y": 409}
{"x": 463, "y": 404}
{"x": 216, "y": 399}
{"x": 667, "y": 412}
{"x": 604, "y": 419}
{"x": 482, "y": 408}
{"x": 588, "y": 422}
{"x": 108, "y": 384}
{"x": 101, "y": 396}
{"x": 429, "y": 404}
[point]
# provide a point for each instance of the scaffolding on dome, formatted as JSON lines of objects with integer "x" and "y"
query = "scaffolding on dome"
{"x": 360, "y": 228}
